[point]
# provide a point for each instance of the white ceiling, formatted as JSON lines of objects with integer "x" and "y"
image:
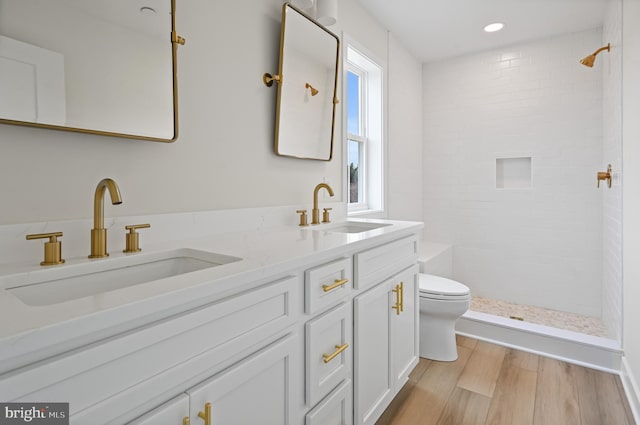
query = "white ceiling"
{"x": 437, "y": 29}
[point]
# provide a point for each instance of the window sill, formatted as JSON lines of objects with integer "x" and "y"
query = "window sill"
{"x": 367, "y": 213}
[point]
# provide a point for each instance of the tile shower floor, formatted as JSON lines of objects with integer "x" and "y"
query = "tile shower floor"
{"x": 541, "y": 316}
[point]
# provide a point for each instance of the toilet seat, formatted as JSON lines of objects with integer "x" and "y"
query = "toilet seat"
{"x": 440, "y": 288}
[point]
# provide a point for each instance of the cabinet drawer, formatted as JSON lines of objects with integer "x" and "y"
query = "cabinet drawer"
{"x": 125, "y": 371}
{"x": 325, "y": 285}
{"x": 328, "y": 351}
{"x": 172, "y": 412}
{"x": 377, "y": 264}
{"x": 335, "y": 409}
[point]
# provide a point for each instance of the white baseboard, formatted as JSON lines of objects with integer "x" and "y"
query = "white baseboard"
{"x": 631, "y": 389}
{"x": 572, "y": 347}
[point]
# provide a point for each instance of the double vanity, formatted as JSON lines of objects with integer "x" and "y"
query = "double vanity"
{"x": 296, "y": 325}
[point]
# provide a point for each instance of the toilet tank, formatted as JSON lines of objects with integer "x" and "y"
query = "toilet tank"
{"x": 436, "y": 258}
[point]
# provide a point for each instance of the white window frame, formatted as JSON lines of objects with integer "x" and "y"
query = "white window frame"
{"x": 361, "y": 139}
{"x": 372, "y": 177}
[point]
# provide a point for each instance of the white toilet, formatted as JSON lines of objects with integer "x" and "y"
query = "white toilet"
{"x": 442, "y": 301}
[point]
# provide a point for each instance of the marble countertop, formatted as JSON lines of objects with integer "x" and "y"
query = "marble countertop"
{"x": 27, "y": 333}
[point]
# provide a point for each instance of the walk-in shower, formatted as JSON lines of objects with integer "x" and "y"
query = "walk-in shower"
{"x": 514, "y": 140}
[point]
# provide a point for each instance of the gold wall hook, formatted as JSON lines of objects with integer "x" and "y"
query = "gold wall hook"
{"x": 314, "y": 91}
{"x": 268, "y": 79}
{"x": 605, "y": 175}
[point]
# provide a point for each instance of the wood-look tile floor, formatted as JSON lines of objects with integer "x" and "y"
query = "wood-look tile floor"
{"x": 494, "y": 385}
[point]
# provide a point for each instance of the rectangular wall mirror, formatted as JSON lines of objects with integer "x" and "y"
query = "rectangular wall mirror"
{"x": 92, "y": 66}
{"x": 308, "y": 75}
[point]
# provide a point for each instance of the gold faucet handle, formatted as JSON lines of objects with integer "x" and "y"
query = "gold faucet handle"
{"x": 325, "y": 215}
{"x": 133, "y": 237}
{"x": 52, "y": 249}
{"x": 303, "y": 218}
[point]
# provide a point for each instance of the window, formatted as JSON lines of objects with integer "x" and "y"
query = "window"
{"x": 364, "y": 130}
{"x": 356, "y": 138}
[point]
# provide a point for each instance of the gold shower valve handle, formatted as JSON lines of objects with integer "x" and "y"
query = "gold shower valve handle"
{"x": 52, "y": 249}
{"x": 605, "y": 175}
{"x": 133, "y": 237}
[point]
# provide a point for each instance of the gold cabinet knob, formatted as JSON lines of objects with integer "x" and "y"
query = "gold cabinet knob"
{"x": 186, "y": 421}
{"x": 303, "y": 218}
{"x": 325, "y": 215}
{"x": 133, "y": 237}
{"x": 52, "y": 249}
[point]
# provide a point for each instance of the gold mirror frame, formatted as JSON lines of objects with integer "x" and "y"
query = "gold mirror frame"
{"x": 175, "y": 41}
{"x": 280, "y": 78}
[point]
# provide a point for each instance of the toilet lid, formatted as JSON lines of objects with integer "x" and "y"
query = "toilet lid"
{"x": 436, "y": 285}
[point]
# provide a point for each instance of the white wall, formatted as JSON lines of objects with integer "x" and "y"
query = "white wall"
{"x": 631, "y": 206}
{"x": 224, "y": 156}
{"x": 539, "y": 245}
{"x": 404, "y": 177}
{"x": 611, "y": 64}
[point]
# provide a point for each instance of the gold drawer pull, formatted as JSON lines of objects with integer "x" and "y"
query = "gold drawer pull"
{"x": 401, "y": 297}
{"x": 339, "y": 349}
{"x": 206, "y": 415}
{"x": 186, "y": 421}
{"x": 398, "y": 305}
{"x": 334, "y": 285}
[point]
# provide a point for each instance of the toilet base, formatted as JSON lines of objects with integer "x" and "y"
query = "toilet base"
{"x": 438, "y": 339}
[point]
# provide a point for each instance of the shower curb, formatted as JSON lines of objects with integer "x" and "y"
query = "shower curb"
{"x": 572, "y": 347}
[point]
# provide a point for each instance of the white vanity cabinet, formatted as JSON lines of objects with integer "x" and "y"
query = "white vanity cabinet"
{"x": 112, "y": 381}
{"x": 385, "y": 327}
{"x": 327, "y": 339}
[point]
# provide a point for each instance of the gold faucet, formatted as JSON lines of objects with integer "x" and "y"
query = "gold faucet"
{"x": 99, "y": 233}
{"x": 315, "y": 213}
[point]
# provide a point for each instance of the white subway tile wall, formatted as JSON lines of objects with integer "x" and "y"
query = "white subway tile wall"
{"x": 539, "y": 245}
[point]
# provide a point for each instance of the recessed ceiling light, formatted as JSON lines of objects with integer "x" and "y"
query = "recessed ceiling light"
{"x": 496, "y": 26}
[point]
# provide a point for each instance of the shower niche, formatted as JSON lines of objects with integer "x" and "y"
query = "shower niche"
{"x": 513, "y": 173}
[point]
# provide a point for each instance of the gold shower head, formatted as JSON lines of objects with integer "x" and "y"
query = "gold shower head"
{"x": 589, "y": 60}
{"x": 314, "y": 91}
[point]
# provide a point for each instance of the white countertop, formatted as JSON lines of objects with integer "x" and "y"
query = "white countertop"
{"x": 28, "y": 333}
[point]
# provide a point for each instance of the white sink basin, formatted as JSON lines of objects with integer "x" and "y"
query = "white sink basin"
{"x": 356, "y": 227}
{"x": 70, "y": 282}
